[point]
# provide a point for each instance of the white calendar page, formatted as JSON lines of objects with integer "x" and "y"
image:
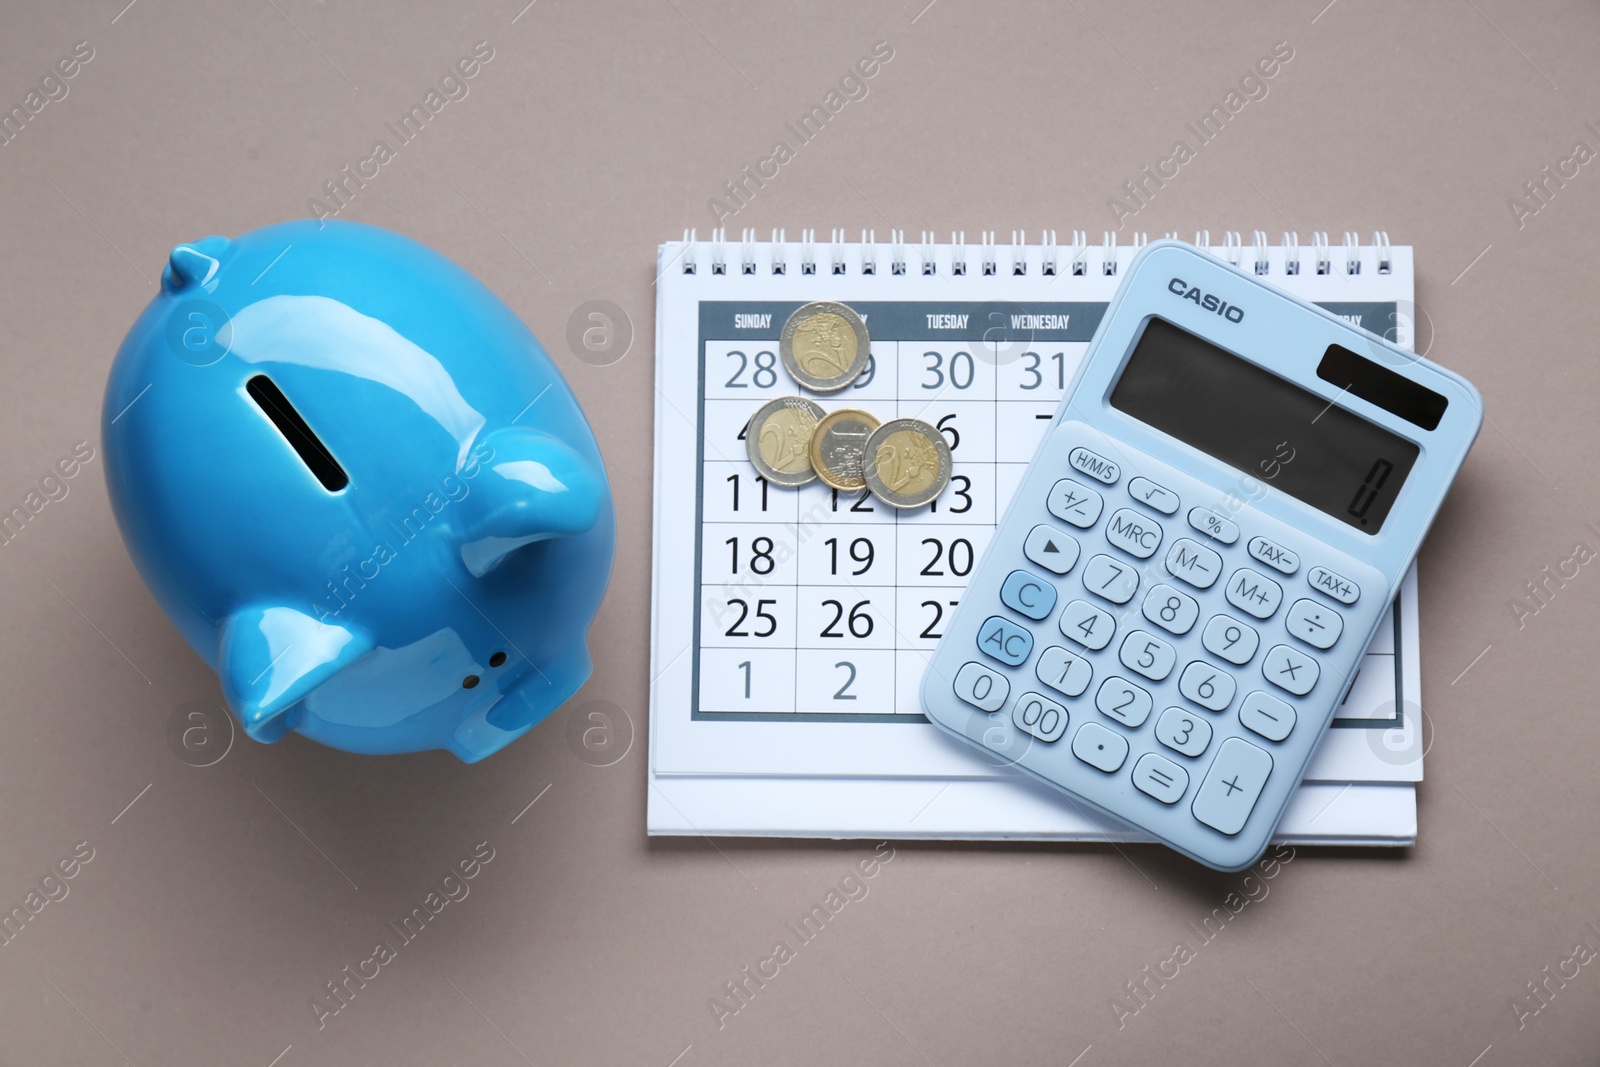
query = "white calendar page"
{"x": 791, "y": 627}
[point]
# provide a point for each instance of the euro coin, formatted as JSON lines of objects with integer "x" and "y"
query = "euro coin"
{"x": 824, "y": 346}
{"x": 778, "y": 439}
{"x": 907, "y": 463}
{"x": 839, "y": 448}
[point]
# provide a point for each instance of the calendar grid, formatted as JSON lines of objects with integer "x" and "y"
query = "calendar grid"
{"x": 849, "y": 594}
{"x": 786, "y": 629}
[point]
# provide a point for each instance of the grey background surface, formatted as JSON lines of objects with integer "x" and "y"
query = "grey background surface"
{"x": 220, "y": 902}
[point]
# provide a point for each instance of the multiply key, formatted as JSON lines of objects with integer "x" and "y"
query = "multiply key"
{"x": 1289, "y": 670}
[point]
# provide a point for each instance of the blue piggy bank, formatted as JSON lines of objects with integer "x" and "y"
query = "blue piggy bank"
{"x": 360, "y": 489}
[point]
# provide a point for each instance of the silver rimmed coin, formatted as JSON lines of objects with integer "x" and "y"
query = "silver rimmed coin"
{"x": 839, "y": 448}
{"x": 824, "y": 346}
{"x": 907, "y": 463}
{"x": 778, "y": 439}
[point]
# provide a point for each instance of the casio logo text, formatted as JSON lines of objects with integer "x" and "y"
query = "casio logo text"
{"x": 1209, "y": 301}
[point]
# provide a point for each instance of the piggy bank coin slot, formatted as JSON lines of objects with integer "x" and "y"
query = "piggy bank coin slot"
{"x": 306, "y": 444}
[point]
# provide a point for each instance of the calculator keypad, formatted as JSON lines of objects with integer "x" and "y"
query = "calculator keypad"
{"x": 1210, "y": 687}
{"x": 1152, "y": 495}
{"x": 1274, "y": 555}
{"x": 1337, "y": 586}
{"x": 1213, "y": 525}
{"x": 982, "y": 688}
{"x": 1180, "y": 670}
{"x": 1267, "y": 716}
{"x": 1040, "y": 716}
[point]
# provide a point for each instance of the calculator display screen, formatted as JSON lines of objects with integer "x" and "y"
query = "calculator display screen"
{"x": 1266, "y": 426}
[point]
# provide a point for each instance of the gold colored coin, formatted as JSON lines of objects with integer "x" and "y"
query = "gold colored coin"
{"x": 839, "y": 448}
{"x": 824, "y": 346}
{"x": 778, "y": 440}
{"x": 908, "y": 463}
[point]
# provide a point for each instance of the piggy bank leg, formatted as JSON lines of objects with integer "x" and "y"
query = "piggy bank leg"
{"x": 270, "y": 657}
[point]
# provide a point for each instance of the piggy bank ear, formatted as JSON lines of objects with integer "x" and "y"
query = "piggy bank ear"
{"x": 533, "y": 488}
{"x": 271, "y": 657}
{"x": 193, "y": 264}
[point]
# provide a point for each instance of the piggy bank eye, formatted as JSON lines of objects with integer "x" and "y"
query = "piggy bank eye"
{"x": 306, "y": 444}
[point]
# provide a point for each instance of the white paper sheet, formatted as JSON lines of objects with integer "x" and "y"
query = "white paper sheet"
{"x": 757, "y": 734}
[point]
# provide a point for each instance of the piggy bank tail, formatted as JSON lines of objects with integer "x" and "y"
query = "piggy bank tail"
{"x": 534, "y": 487}
{"x": 270, "y": 658}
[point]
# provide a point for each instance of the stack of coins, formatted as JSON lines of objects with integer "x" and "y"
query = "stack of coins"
{"x": 792, "y": 441}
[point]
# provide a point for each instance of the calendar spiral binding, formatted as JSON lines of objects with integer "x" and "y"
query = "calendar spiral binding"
{"x": 1048, "y": 257}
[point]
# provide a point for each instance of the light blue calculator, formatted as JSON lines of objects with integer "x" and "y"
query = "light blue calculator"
{"x": 1178, "y": 596}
